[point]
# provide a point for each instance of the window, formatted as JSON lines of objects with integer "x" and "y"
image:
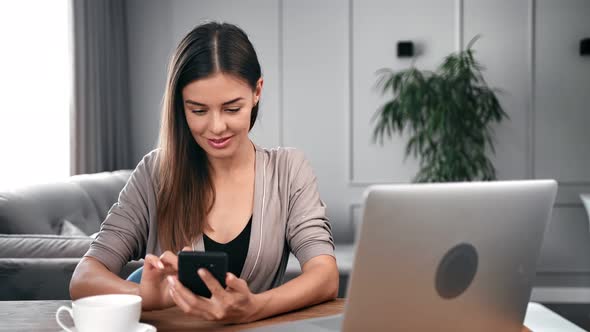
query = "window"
{"x": 35, "y": 91}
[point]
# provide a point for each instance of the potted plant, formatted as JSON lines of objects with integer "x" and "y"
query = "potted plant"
{"x": 448, "y": 114}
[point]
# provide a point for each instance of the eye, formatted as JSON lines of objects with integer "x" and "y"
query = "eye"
{"x": 232, "y": 110}
{"x": 199, "y": 112}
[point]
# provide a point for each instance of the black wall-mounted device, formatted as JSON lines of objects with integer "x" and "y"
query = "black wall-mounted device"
{"x": 405, "y": 49}
{"x": 585, "y": 47}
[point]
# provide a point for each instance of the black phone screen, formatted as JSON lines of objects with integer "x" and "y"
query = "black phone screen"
{"x": 189, "y": 262}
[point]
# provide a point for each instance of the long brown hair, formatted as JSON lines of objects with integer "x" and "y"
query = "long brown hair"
{"x": 186, "y": 194}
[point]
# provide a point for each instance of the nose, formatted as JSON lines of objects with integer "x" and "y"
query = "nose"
{"x": 217, "y": 125}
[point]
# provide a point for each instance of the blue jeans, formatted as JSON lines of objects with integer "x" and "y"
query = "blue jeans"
{"x": 136, "y": 275}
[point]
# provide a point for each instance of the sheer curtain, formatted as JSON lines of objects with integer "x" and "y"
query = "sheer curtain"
{"x": 100, "y": 115}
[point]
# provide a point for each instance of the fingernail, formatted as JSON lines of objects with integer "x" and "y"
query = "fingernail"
{"x": 170, "y": 280}
{"x": 201, "y": 272}
{"x": 160, "y": 265}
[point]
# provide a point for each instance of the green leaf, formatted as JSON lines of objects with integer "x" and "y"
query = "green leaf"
{"x": 450, "y": 115}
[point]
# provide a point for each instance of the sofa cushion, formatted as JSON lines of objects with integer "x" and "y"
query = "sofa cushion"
{"x": 82, "y": 200}
{"x": 43, "y": 246}
{"x": 69, "y": 229}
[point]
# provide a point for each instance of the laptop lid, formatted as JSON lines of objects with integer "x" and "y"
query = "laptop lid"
{"x": 448, "y": 256}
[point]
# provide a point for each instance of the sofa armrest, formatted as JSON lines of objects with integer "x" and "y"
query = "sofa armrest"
{"x": 43, "y": 246}
{"x": 42, "y": 278}
{"x": 36, "y": 278}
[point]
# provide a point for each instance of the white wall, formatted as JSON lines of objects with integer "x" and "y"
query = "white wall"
{"x": 319, "y": 60}
{"x": 560, "y": 119}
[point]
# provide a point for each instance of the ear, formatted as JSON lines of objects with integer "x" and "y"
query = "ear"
{"x": 258, "y": 90}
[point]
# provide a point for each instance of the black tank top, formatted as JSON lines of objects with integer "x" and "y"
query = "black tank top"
{"x": 236, "y": 249}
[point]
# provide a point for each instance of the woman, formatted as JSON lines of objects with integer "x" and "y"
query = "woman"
{"x": 208, "y": 187}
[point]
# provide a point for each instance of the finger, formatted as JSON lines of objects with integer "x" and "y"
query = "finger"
{"x": 186, "y": 308}
{"x": 236, "y": 283}
{"x": 187, "y": 248}
{"x": 170, "y": 260}
{"x": 153, "y": 262}
{"x": 188, "y": 301}
{"x": 212, "y": 283}
{"x": 179, "y": 301}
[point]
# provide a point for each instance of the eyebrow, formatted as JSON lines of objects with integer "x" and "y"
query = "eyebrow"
{"x": 196, "y": 103}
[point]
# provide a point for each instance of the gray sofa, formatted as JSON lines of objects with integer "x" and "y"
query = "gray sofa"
{"x": 45, "y": 229}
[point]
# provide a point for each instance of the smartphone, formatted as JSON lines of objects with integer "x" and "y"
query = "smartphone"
{"x": 189, "y": 262}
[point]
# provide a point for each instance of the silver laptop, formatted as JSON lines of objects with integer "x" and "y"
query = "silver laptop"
{"x": 443, "y": 257}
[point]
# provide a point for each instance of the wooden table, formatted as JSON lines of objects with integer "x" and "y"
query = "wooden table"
{"x": 40, "y": 316}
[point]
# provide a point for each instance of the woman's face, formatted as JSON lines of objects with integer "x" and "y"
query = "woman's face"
{"x": 217, "y": 110}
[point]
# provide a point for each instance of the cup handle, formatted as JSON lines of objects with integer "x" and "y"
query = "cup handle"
{"x": 59, "y": 310}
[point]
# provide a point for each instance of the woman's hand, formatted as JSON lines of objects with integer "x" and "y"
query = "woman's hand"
{"x": 234, "y": 304}
{"x": 154, "y": 288}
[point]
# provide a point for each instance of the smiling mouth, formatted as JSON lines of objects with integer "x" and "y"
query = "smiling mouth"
{"x": 220, "y": 143}
{"x": 220, "y": 140}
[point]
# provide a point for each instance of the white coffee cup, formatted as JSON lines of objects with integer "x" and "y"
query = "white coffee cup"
{"x": 112, "y": 312}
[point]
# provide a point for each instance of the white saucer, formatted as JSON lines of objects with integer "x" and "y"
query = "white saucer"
{"x": 141, "y": 327}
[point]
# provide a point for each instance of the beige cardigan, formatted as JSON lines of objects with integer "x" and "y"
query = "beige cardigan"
{"x": 288, "y": 216}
